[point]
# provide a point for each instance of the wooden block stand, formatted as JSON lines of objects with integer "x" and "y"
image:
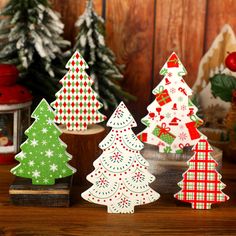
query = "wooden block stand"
{"x": 23, "y": 193}
{"x": 83, "y": 146}
{"x": 168, "y": 168}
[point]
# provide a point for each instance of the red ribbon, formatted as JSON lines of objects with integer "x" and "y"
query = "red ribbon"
{"x": 163, "y": 129}
{"x": 182, "y": 146}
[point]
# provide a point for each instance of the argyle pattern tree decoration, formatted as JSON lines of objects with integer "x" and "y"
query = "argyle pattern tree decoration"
{"x": 171, "y": 122}
{"x": 77, "y": 105}
{"x": 201, "y": 184}
{"x": 121, "y": 179}
{"x": 43, "y": 156}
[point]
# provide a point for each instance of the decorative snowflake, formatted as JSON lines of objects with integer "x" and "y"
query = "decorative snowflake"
{"x": 183, "y": 136}
{"x": 168, "y": 115}
{"x": 49, "y": 153}
{"x": 34, "y": 142}
{"x": 172, "y": 90}
{"x": 53, "y": 167}
{"x": 50, "y": 121}
{"x": 169, "y": 74}
{"x": 124, "y": 202}
{"x": 44, "y": 142}
{"x": 31, "y": 163}
{"x": 138, "y": 177}
{"x": 36, "y": 117}
{"x": 36, "y": 174}
{"x": 102, "y": 182}
{"x": 183, "y": 108}
{"x": 44, "y": 130}
{"x": 116, "y": 157}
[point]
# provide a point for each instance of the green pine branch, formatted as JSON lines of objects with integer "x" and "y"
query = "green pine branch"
{"x": 107, "y": 74}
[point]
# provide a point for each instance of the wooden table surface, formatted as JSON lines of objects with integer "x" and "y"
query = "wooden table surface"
{"x": 164, "y": 217}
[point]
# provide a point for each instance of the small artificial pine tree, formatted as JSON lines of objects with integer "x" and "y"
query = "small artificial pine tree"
{"x": 106, "y": 74}
{"x": 30, "y": 38}
{"x": 201, "y": 183}
{"x": 43, "y": 156}
{"x": 121, "y": 179}
{"x": 76, "y": 104}
{"x": 171, "y": 121}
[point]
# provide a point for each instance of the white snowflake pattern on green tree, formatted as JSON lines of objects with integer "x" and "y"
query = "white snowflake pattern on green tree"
{"x": 43, "y": 156}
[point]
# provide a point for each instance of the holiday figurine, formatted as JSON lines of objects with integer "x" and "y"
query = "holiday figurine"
{"x": 121, "y": 179}
{"x": 171, "y": 120}
{"x": 201, "y": 185}
{"x": 43, "y": 156}
{"x": 76, "y": 105}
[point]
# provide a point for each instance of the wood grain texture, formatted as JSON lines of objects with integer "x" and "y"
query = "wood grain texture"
{"x": 83, "y": 146}
{"x": 70, "y": 11}
{"x": 163, "y": 217}
{"x": 130, "y": 25}
{"x": 23, "y": 193}
{"x": 180, "y": 26}
{"x": 219, "y": 13}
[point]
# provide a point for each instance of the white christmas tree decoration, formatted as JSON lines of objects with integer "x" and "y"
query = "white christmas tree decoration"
{"x": 121, "y": 178}
{"x": 171, "y": 121}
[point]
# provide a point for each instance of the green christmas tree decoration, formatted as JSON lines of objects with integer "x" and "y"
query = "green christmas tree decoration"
{"x": 43, "y": 156}
{"x": 30, "y": 38}
{"x": 103, "y": 69}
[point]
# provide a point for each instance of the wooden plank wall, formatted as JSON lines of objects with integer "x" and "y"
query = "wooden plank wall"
{"x": 144, "y": 33}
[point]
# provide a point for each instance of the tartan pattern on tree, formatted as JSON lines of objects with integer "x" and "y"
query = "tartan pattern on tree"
{"x": 76, "y": 104}
{"x": 201, "y": 183}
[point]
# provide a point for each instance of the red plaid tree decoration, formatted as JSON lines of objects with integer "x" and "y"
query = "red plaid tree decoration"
{"x": 77, "y": 105}
{"x": 201, "y": 184}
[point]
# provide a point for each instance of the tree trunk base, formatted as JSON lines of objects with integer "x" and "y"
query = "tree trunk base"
{"x": 83, "y": 146}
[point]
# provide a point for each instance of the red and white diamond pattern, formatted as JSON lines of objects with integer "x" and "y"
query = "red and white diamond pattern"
{"x": 76, "y": 105}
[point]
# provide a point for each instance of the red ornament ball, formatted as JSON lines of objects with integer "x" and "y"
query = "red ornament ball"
{"x": 230, "y": 61}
